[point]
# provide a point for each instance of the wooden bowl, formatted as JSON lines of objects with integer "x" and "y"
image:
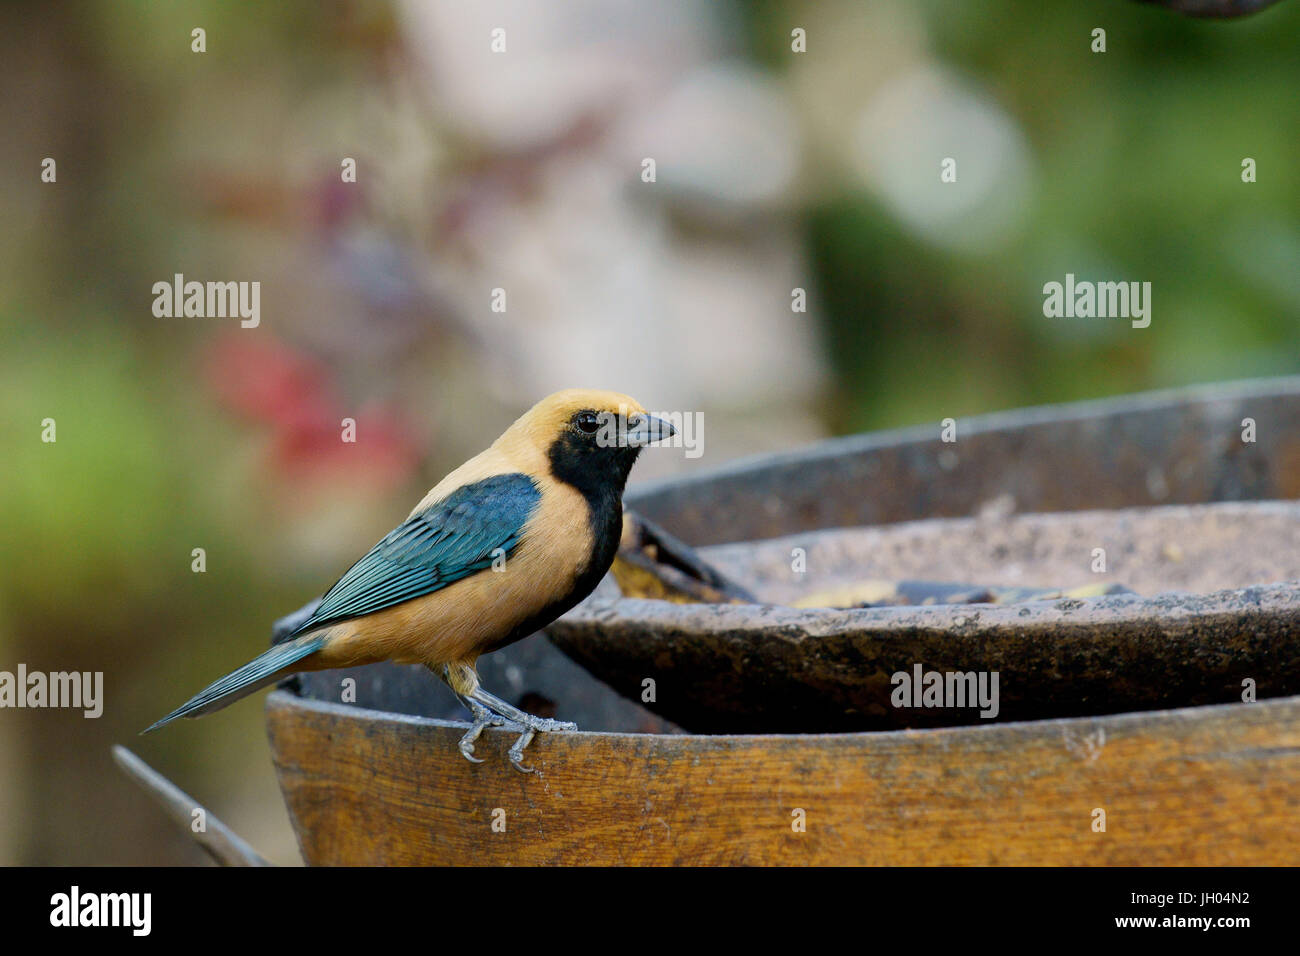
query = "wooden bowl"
{"x": 1209, "y": 786}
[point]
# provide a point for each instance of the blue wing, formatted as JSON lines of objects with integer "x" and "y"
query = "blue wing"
{"x": 450, "y": 540}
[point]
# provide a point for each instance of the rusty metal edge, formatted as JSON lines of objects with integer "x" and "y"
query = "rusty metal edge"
{"x": 654, "y": 497}
{"x": 1004, "y": 421}
{"x": 223, "y": 844}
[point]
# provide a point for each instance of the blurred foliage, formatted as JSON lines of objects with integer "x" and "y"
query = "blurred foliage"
{"x": 1138, "y": 153}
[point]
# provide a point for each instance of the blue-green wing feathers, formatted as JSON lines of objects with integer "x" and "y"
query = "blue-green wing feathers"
{"x": 452, "y": 539}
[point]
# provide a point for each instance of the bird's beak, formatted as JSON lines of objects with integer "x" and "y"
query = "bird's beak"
{"x": 644, "y": 429}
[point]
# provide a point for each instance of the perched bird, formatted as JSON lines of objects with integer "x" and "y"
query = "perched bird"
{"x": 499, "y": 548}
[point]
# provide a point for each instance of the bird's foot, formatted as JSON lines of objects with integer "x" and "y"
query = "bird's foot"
{"x": 482, "y": 718}
{"x": 534, "y": 726}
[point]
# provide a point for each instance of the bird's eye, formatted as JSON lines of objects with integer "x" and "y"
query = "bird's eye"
{"x": 587, "y": 423}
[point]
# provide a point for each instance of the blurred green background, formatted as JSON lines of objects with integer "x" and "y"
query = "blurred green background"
{"x": 522, "y": 171}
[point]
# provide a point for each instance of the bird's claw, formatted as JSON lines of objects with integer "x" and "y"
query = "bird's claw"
{"x": 482, "y": 718}
{"x": 517, "y": 751}
{"x": 535, "y": 726}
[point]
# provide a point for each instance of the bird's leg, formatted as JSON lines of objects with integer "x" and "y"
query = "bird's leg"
{"x": 532, "y": 725}
{"x": 462, "y": 680}
{"x": 491, "y": 711}
{"x": 482, "y": 718}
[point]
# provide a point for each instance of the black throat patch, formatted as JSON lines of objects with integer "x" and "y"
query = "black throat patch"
{"x": 599, "y": 474}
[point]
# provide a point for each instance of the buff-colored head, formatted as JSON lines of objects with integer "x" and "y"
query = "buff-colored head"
{"x": 586, "y": 430}
{"x": 608, "y": 417}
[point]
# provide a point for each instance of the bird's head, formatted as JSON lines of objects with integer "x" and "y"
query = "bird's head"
{"x": 589, "y": 439}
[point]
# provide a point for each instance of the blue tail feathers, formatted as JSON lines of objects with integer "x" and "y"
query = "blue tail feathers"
{"x": 256, "y": 674}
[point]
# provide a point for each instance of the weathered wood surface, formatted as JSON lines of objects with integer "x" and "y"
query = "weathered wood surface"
{"x": 1205, "y": 786}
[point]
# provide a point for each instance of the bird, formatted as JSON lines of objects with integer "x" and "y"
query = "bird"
{"x": 495, "y": 551}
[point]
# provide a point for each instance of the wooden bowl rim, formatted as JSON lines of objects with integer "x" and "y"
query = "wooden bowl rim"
{"x": 282, "y": 698}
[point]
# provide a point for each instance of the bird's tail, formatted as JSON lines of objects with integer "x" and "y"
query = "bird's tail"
{"x": 262, "y": 670}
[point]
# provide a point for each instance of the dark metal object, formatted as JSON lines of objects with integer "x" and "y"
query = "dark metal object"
{"x": 766, "y": 669}
{"x": 216, "y": 839}
{"x": 531, "y": 674}
{"x": 1178, "y": 447}
{"x": 651, "y": 563}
